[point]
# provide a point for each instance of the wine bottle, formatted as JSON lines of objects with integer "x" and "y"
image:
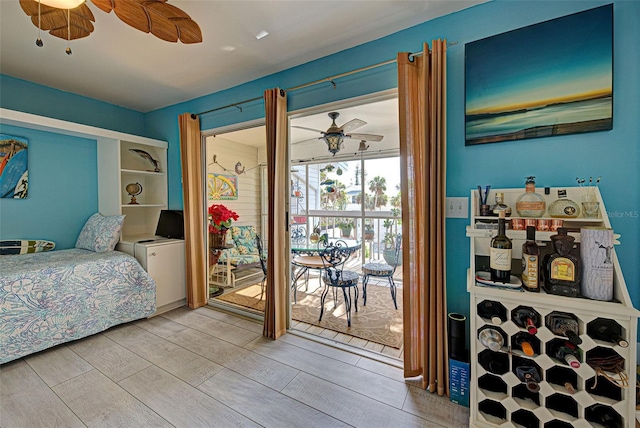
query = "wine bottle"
{"x": 492, "y": 338}
{"x": 492, "y": 311}
{"x": 564, "y": 324}
{"x": 526, "y": 343}
{"x": 525, "y": 317}
{"x": 529, "y": 376}
{"x": 500, "y": 254}
{"x": 563, "y": 376}
{"x": 494, "y": 362}
{"x": 606, "y": 330}
{"x": 530, "y": 203}
{"x": 565, "y": 352}
{"x": 530, "y": 262}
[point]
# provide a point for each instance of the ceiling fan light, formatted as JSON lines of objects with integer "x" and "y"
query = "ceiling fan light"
{"x": 63, "y": 4}
{"x": 333, "y": 140}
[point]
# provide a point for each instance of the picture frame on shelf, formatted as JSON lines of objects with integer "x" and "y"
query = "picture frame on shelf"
{"x": 546, "y": 79}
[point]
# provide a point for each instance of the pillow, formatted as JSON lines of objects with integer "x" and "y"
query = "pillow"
{"x": 100, "y": 233}
{"x": 25, "y": 246}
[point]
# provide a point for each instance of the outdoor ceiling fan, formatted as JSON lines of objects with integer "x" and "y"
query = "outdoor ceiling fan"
{"x": 72, "y": 19}
{"x": 334, "y": 136}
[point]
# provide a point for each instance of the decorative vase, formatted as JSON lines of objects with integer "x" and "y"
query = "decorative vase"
{"x": 217, "y": 238}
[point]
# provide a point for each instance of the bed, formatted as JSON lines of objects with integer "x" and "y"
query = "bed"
{"x": 48, "y": 298}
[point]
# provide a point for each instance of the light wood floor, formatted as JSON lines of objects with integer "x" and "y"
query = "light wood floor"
{"x": 206, "y": 368}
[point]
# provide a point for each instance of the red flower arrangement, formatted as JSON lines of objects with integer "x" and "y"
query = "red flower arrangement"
{"x": 221, "y": 218}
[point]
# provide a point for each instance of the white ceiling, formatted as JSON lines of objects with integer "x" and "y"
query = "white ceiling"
{"x": 123, "y": 66}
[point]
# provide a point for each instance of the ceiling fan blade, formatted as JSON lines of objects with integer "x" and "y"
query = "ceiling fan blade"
{"x": 306, "y": 141}
{"x": 54, "y": 20}
{"x": 308, "y": 129}
{"x": 157, "y": 17}
{"x": 352, "y": 124}
{"x": 365, "y": 137}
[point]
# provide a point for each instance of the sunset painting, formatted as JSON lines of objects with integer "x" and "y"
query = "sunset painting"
{"x": 547, "y": 79}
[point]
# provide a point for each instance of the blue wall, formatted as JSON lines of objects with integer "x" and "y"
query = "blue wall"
{"x": 614, "y": 155}
{"x": 63, "y": 184}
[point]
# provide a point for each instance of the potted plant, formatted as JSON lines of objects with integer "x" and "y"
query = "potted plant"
{"x": 220, "y": 219}
{"x": 346, "y": 226}
{"x": 368, "y": 232}
{"x": 389, "y": 240}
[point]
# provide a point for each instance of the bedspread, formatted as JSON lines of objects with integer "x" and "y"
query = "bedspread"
{"x": 59, "y": 296}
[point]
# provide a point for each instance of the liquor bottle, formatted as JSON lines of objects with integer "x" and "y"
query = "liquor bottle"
{"x": 565, "y": 352}
{"x": 530, "y": 203}
{"x": 561, "y": 269}
{"x": 500, "y": 206}
{"x": 530, "y": 262}
{"x": 500, "y": 254}
{"x": 563, "y": 207}
{"x": 525, "y": 342}
{"x": 525, "y": 317}
{"x": 563, "y": 376}
{"x": 563, "y": 324}
{"x": 492, "y": 338}
{"x": 492, "y": 311}
{"x": 529, "y": 376}
{"x": 606, "y": 330}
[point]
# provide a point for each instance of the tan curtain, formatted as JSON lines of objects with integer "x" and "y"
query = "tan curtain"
{"x": 422, "y": 108}
{"x": 275, "y": 311}
{"x": 192, "y": 191}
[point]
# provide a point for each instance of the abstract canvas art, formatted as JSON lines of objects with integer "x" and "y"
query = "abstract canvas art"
{"x": 551, "y": 78}
{"x": 222, "y": 187}
{"x": 14, "y": 173}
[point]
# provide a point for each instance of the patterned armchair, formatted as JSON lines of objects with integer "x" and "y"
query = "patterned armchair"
{"x": 243, "y": 255}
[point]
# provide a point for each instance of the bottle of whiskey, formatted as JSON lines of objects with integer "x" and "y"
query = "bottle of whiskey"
{"x": 530, "y": 203}
{"x": 606, "y": 330}
{"x": 527, "y": 318}
{"x": 564, "y": 324}
{"x": 565, "y": 352}
{"x": 563, "y": 207}
{"x": 561, "y": 269}
{"x": 530, "y": 262}
{"x": 500, "y": 254}
{"x": 500, "y": 206}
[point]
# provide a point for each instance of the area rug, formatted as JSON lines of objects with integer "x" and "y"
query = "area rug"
{"x": 377, "y": 322}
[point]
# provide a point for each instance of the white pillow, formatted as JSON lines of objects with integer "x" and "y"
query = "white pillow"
{"x": 100, "y": 233}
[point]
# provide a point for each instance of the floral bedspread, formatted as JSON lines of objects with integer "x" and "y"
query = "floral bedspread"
{"x": 59, "y": 296}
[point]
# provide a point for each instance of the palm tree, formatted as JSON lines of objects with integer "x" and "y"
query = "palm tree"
{"x": 378, "y": 186}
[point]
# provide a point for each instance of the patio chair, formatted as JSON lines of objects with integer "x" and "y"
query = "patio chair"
{"x": 382, "y": 270}
{"x": 335, "y": 276}
{"x": 263, "y": 264}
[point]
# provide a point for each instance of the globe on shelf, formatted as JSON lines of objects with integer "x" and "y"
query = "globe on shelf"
{"x": 133, "y": 189}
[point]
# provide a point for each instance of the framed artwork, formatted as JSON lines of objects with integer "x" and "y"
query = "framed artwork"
{"x": 14, "y": 171}
{"x": 222, "y": 187}
{"x": 551, "y": 78}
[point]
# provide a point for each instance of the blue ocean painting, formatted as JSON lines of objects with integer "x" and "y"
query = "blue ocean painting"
{"x": 551, "y": 78}
{"x": 14, "y": 171}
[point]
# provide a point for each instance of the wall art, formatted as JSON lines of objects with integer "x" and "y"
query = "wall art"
{"x": 222, "y": 187}
{"x": 14, "y": 173}
{"x": 551, "y": 78}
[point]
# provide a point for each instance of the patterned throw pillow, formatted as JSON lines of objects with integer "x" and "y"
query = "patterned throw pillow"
{"x": 100, "y": 233}
{"x": 25, "y": 246}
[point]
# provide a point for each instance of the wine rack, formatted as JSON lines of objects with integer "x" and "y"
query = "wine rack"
{"x": 565, "y": 396}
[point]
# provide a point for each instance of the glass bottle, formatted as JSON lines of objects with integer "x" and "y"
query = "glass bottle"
{"x": 564, "y": 324}
{"x": 606, "y": 330}
{"x": 565, "y": 352}
{"x": 524, "y": 341}
{"x": 500, "y": 206}
{"x": 493, "y": 311}
{"x": 529, "y": 376}
{"x": 530, "y": 262}
{"x": 500, "y": 254}
{"x": 525, "y": 317}
{"x": 563, "y": 207}
{"x": 531, "y": 204}
{"x": 561, "y": 269}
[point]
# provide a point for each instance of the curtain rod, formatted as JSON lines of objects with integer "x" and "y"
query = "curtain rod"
{"x": 329, "y": 79}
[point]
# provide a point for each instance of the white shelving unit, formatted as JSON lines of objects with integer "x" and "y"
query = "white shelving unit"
{"x": 503, "y": 408}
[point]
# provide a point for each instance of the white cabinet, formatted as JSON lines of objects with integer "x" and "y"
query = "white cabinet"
{"x": 163, "y": 259}
{"x": 118, "y": 166}
{"x": 498, "y": 397}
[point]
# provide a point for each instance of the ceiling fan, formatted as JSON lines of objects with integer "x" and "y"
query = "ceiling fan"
{"x": 334, "y": 136}
{"x": 72, "y": 19}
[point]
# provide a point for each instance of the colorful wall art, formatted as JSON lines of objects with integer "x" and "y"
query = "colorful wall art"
{"x": 14, "y": 174}
{"x": 551, "y": 78}
{"x": 222, "y": 187}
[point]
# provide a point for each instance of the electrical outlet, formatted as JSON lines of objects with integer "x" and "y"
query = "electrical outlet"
{"x": 457, "y": 207}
